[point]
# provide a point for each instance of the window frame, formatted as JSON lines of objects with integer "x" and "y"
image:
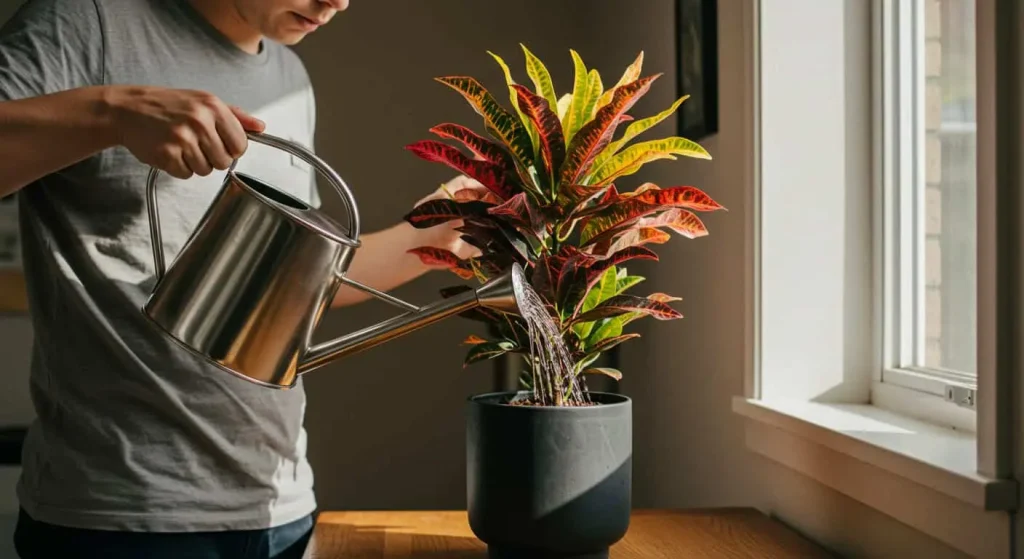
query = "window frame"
{"x": 899, "y": 29}
{"x": 810, "y": 402}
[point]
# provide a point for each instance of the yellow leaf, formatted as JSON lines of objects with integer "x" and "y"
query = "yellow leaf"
{"x": 514, "y": 98}
{"x": 563, "y": 106}
{"x": 542, "y": 82}
{"x": 574, "y": 116}
{"x": 594, "y": 90}
{"x": 634, "y": 130}
{"x": 631, "y": 74}
{"x": 635, "y": 157}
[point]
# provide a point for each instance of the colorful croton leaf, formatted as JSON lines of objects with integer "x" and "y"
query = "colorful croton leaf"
{"x": 556, "y": 168}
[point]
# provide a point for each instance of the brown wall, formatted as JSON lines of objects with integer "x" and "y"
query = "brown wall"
{"x": 386, "y": 426}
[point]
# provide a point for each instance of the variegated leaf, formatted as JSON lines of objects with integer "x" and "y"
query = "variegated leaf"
{"x": 541, "y": 78}
{"x": 500, "y": 123}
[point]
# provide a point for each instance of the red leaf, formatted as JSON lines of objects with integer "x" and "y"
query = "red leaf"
{"x": 432, "y": 256}
{"x": 481, "y": 147}
{"x": 581, "y": 271}
{"x": 595, "y": 136}
{"x": 474, "y": 195}
{"x": 608, "y": 343}
{"x": 688, "y": 197}
{"x": 545, "y": 275}
{"x": 623, "y": 304}
{"x": 520, "y": 214}
{"x": 443, "y": 210}
{"x": 632, "y": 237}
{"x": 500, "y": 122}
{"x": 572, "y": 197}
{"x": 492, "y": 176}
{"x": 474, "y": 340}
{"x": 549, "y": 127}
{"x": 599, "y": 267}
{"x": 614, "y": 219}
{"x": 683, "y": 222}
{"x": 663, "y": 297}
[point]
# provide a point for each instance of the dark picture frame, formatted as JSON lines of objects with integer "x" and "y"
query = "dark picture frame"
{"x": 697, "y": 67}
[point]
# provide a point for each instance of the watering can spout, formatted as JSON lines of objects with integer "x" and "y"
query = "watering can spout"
{"x": 499, "y": 294}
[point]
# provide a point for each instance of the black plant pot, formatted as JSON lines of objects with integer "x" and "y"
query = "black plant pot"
{"x": 549, "y": 482}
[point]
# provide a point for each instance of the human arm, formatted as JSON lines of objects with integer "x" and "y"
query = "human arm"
{"x": 56, "y": 107}
{"x": 383, "y": 261}
{"x": 180, "y": 132}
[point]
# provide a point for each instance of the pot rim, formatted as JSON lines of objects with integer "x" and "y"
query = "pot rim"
{"x": 481, "y": 400}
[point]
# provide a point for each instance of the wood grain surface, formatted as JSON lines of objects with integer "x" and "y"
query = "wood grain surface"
{"x": 731, "y": 533}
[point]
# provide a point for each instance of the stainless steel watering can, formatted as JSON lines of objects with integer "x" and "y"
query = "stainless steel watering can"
{"x": 250, "y": 285}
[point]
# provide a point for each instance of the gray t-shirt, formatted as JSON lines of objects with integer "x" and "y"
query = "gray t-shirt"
{"x": 132, "y": 432}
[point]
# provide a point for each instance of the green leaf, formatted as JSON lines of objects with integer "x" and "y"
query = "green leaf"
{"x": 541, "y": 78}
{"x": 514, "y": 98}
{"x": 606, "y": 371}
{"x": 604, "y": 289}
{"x": 594, "y": 89}
{"x": 608, "y": 328}
{"x": 634, "y": 157}
{"x": 624, "y": 283}
{"x": 574, "y": 118}
{"x": 488, "y": 350}
{"x": 634, "y": 130}
{"x": 586, "y": 361}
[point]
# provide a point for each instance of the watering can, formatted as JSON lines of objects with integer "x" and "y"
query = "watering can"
{"x": 248, "y": 288}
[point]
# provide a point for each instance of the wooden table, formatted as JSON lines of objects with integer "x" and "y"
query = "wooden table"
{"x": 653, "y": 534}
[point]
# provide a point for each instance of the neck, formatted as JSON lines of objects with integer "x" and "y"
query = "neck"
{"x": 224, "y": 16}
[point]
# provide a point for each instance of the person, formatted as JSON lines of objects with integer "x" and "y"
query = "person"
{"x": 139, "y": 449}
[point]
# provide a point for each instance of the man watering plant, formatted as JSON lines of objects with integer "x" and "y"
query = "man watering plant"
{"x": 140, "y": 449}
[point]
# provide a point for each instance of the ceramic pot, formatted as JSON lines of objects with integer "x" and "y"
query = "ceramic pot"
{"x": 549, "y": 482}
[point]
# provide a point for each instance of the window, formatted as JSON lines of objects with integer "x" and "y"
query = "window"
{"x": 929, "y": 177}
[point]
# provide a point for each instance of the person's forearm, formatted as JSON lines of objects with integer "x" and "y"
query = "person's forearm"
{"x": 383, "y": 263}
{"x": 44, "y": 134}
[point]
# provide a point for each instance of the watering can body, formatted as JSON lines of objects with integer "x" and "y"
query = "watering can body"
{"x": 249, "y": 287}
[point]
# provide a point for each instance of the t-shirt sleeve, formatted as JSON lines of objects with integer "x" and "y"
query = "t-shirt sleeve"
{"x": 49, "y": 46}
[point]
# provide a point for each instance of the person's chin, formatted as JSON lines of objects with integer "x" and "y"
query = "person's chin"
{"x": 288, "y": 37}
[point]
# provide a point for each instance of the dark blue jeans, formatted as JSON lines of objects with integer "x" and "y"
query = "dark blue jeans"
{"x": 37, "y": 540}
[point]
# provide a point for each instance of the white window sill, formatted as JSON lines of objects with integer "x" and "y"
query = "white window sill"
{"x": 923, "y": 475}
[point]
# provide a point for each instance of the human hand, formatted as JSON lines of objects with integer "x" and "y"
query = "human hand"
{"x": 445, "y": 235}
{"x": 180, "y": 132}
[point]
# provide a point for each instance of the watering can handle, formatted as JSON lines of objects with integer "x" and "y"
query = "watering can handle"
{"x": 273, "y": 141}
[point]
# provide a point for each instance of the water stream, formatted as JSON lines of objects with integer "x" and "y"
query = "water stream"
{"x": 555, "y": 382}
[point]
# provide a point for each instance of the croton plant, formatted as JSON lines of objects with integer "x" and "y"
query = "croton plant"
{"x": 554, "y": 169}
